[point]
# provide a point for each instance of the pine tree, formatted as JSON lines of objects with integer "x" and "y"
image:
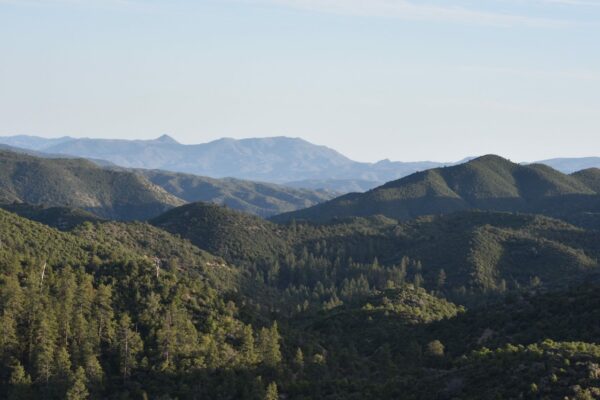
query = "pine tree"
{"x": 44, "y": 348}
{"x": 299, "y": 359}
{"x": 104, "y": 315}
{"x": 177, "y": 337}
{"x": 66, "y": 300}
{"x": 435, "y": 348}
{"x": 272, "y": 393}
{"x": 62, "y": 365}
{"x": 20, "y": 383}
{"x": 249, "y": 355}
{"x": 441, "y": 278}
{"x": 8, "y": 336}
{"x": 129, "y": 346}
{"x": 94, "y": 373}
{"x": 78, "y": 389}
{"x": 269, "y": 346}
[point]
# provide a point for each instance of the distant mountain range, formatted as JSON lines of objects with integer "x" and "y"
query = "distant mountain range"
{"x": 277, "y": 159}
{"x": 486, "y": 183}
{"x": 570, "y": 165}
{"x": 290, "y": 161}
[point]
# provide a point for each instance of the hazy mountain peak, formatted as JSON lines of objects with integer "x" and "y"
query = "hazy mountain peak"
{"x": 166, "y": 139}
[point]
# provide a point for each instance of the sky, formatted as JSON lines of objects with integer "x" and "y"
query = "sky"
{"x": 399, "y": 79}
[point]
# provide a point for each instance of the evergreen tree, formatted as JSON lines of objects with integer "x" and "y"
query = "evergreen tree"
{"x": 435, "y": 348}
{"x": 129, "y": 346}
{"x": 269, "y": 346}
{"x": 62, "y": 369}
{"x": 441, "y": 279}
{"x": 20, "y": 383}
{"x": 249, "y": 354}
{"x": 104, "y": 315}
{"x": 272, "y": 393}
{"x": 177, "y": 337}
{"x": 8, "y": 336}
{"x": 94, "y": 374}
{"x": 78, "y": 389}
{"x": 45, "y": 348}
{"x": 299, "y": 359}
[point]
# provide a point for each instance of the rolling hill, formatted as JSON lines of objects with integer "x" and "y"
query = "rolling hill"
{"x": 590, "y": 177}
{"x": 224, "y": 232}
{"x": 450, "y": 306}
{"x": 478, "y": 251}
{"x": 80, "y": 184}
{"x": 61, "y": 218}
{"x": 263, "y": 199}
{"x": 109, "y": 191}
{"x": 486, "y": 183}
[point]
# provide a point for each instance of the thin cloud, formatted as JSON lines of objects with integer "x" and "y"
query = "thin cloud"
{"x": 573, "y": 2}
{"x": 581, "y": 75}
{"x": 409, "y": 10}
{"x": 136, "y": 4}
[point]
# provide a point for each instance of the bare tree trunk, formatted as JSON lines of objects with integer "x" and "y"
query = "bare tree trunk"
{"x": 43, "y": 273}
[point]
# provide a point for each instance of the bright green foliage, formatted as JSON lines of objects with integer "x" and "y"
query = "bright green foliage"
{"x": 272, "y": 393}
{"x": 435, "y": 348}
{"x": 269, "y": 346}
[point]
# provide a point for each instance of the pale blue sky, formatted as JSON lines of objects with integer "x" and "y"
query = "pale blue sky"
{"x": 374, "y": 79}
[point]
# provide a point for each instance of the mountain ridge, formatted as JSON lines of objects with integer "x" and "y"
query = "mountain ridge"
{"x": 81, "y": 184}
{"x": 273, "y": 159}
{"x": 489, "y": 183}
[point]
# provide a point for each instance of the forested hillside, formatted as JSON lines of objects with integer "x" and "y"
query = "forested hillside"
{"x": 486, "y": 183}
{"x": 80, "y": 184}
{"x": 469, "y": 305}
{"x": 119, "y": 193}
{"x": 263, "y": 199}
{"x": 204, "y": 301}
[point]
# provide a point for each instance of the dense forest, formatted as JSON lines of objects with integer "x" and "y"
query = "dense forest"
{"x": 230, "y": 306}
{"x": 204, "y": 302}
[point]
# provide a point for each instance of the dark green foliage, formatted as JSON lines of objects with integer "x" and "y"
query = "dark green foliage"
{"x": 81, "y": 184}
{"x": 62, "y": 218}
{"x": 229, "y": 306}
{"x": 486, "y": 183}
{"x": 262, "y": 199}
{"x": 104, "y": 310}
{"x": 458, "y": 254}
{"x": 590, "y": 177}
{"x": 230, "y": 234}
{"x": 548, "y": 370}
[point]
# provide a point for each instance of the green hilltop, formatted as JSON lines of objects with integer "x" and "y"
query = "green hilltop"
{"x": 485, "y": 183}
{"x": 478, "y": 251}
{"x": 80, "y": 184}
{"x": 133, "y": 194}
